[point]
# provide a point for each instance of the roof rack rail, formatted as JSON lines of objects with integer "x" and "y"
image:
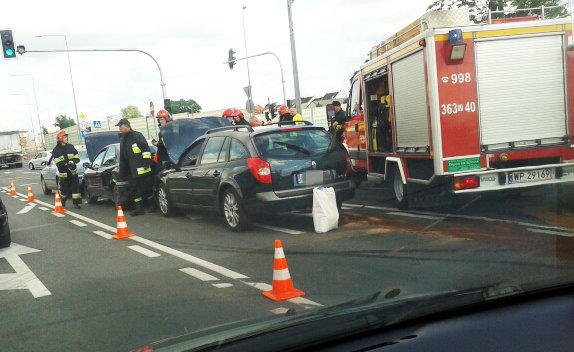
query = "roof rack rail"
{"x": 230, "y": 128}
{"x": 281, "y": 123}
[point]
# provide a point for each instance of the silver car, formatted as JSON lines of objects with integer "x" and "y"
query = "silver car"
{"x": 40, "y": 160}
{"x": 49, "y": 178}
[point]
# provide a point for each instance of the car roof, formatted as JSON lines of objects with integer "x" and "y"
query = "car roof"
{"x": 260, "y": 130}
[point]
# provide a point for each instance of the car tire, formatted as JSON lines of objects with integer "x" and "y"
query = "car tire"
{"x": 45, "y": 188}
{"x": 31, "y": 166}
{"x": 234, "y": 212}
{"x": 165, "y": 205}
{"x": 5, "y": 240}
{"x": 400, "y": 189}
{"x": 89, "y": 198}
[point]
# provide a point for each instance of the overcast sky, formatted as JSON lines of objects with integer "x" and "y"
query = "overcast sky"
{"x": 190, "y": 39}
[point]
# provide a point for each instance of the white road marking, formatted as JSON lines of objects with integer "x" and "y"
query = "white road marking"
{"x": 550, "y": 232}
{"x": 22, "y": 199}
{"x": 144, "y": 251}
{"x": 44, "y": 208}
{"x": 103, "y": 234}
{"x": 198, "y": 274}
{"x": 416, "y": 216}
{"x": 58, "y": 215}
{"x": 280, "y": 229}
{"x": 26, "y": 185}
{"x": 279, "y": 310}
{"x": 78, "y": 223}
{"x": 259, "y": 285}
{"x": 298, "y": 300}
{"x": 24, "y": 278}
{"x": 222, "y": 285}
{"x": 27, "y": 208}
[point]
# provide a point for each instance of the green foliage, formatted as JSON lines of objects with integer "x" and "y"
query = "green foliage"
{"x": 64, "y": 121}
{"x": 44, "y": 130}
{"x": 181, "y": 106}
{"x": 131, "y": 112}
{"x": 318, "y": 105}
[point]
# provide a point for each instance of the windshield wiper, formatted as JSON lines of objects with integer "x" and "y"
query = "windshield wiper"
{"x": 294, "y": 147}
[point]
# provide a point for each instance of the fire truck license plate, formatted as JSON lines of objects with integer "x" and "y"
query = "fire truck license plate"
{"x": 529, "y": 176}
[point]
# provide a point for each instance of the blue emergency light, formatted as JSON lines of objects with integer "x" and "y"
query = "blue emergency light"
{"x": 455, "y": 36}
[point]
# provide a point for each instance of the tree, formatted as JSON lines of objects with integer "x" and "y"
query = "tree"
{"x": 131, "y": 112}
{"x": 64, "y": 121}
{"x": 181, "y": 106}
{"x": 44, "y": 130}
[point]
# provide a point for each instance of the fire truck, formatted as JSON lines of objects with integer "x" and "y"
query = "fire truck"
{"x": 446, "y": 107}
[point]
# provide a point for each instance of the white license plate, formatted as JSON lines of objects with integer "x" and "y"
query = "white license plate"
{"x": 314, "y": 177}
{"x": 530, "y": 176}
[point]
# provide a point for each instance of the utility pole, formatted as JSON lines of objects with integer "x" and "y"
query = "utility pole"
{"x": 250, "y": 97}
{"x": 294, "y": 58}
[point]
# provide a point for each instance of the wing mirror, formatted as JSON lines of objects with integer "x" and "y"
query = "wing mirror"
{"x": 167, "y": 165}
{"x": 86, "y": 165}
{"x": 43, "y": 163}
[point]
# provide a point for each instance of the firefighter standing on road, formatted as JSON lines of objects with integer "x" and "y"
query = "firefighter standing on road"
{"x": 66, "y": 157}
{"x": 135, "y": 160}
{"x": 161, "y": 154}
{"x": 340, "y": 119}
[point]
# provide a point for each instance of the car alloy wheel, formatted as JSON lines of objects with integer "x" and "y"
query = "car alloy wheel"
{"x": 162, "y": 199}
{"x": 231, "y": 210}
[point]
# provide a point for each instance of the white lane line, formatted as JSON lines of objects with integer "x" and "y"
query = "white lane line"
{"x": 26, "y": 185}
{"x": 550, "y": 232}
{"x": 416, "y": 216}
{"x": 222, "y": 285}
{"x": 44, "y": 208}
{"x": 78, "y": 223}
{"x": 259, "y": 285}
{"x": 280, "y": 229}
{"x": 27, "y": 208}
{"x": 279, "y": 310}
{"x": 144, "y": 251}
{"x": 22, "y": 199}
{"x": 198, "y": 274}
{"x": 103, "y": 234}
{"x": 58, "y": 215}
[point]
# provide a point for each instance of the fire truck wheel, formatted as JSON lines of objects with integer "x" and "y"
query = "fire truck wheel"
{"x": 399, "y": 188}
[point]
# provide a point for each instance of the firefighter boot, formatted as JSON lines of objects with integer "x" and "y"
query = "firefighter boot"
{"x": 139, "y": 210}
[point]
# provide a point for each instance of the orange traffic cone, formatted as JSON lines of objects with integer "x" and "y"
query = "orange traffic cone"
{"x": 282, "y": 287}
{"x": 30, "y": 195}
{"x": 12, "y": 188}
{"x": 58, "y": 208}
{"x": 123, "y": 231}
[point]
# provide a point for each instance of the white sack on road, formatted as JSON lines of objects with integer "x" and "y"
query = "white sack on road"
{"x": 325, "y": 213}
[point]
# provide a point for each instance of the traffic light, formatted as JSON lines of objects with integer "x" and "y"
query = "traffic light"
{"x": 167, "y": 105}
{"x": 231, "y": 59}
{"x": 8, "y": 50}
{"x": 272, "y": 111}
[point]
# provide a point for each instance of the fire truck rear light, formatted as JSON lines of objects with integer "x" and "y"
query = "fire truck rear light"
{"x": 466, "y": 182}
{"x": 457, "y": 52}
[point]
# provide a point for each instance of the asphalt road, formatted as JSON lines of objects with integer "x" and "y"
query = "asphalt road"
{"x": 65, "y": 285}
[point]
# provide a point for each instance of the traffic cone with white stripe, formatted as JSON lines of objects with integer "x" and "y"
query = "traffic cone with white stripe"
{"x": 12, "y": 188}
{"x": 122, "y": 227}
{"x": 58, "y": 208}
{"x": 30, "y": 195}
{"x": 282, "y": 287}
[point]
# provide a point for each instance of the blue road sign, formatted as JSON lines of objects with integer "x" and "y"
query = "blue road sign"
{"x": 97, "y": 124}
{"x": 84, "y": 133}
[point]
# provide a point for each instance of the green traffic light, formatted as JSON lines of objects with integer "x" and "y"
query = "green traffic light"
{"x": 9, "y": 52}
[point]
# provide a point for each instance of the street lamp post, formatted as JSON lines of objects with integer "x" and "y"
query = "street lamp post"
{"x": 71, "y": 79}
{"x": 247, "y": 60}
{"x": 294, "y": 58}
{"x": 31, "y": 121}
{"x": 43, "y": 140}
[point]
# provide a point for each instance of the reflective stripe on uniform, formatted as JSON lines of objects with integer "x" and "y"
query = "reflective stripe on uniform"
{"x": 146, "y": 155}
{"x": 62, "y": 158}
{"x": 135, "y": 148}
{"x": 76, "y": 195}
{"x": 74, "y": 173}
{"x": 63, "y": 175}
{"x": 142, "y": 170}
{"x": 138, "y": 200}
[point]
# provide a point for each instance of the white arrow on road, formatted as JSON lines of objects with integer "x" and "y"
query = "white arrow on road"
{"x": 27, "y": 208}
{"x": 24, "y": 278}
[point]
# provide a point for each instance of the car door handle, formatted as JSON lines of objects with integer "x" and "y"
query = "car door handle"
{"x": 188, "y": 175}
{"x": 216, "y": 173}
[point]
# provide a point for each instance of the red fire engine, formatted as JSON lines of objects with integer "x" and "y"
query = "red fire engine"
{"x": 446, "y": 107}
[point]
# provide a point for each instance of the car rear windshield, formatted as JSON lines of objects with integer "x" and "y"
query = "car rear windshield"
{"x": 292, "y": 143}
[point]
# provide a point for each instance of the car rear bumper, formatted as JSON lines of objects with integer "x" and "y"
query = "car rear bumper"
{"x": 296, "y": 199}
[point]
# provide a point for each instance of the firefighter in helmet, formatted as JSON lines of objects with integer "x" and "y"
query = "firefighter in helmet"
{"x": 228, "y": 114}
{"x": 66, "y": 158}
{"x": 239, "y": 118}
{"x": 162, "y": 155}
{"x": 284, "y": 114}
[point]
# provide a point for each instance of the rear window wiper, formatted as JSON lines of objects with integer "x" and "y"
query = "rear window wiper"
{"x": 294, "y": 147}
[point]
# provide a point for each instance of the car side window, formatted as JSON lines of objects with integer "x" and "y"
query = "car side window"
{"x": 39, "y": 156}
{"x": 223, "y": 152}
{"x": 212, "y": 149}
{"x": 354, "y": 99}
{"x": 237, "y": 150}
{"x": 99, "y": 159}
{"x": 190, "y": 157}
{"x": 110, "y": 158}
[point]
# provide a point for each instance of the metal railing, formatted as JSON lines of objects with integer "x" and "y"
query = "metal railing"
{"x": 541, "y": 8}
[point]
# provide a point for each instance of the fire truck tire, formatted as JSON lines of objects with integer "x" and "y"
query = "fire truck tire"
{"x": 400, "y": 189}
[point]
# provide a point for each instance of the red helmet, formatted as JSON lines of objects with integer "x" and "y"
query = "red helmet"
{"x": 228, "y": 113}
{"x": 283, "y": 110}
{"x": 163, "y": 114}
{"x": 238, "y": 112}
{"x": 60, "y": 135}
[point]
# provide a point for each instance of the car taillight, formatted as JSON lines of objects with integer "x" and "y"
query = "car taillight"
{"x": 466, "y": 182}
{"x": 260, "y": 169}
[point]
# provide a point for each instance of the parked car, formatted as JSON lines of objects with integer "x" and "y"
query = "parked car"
{"x": 40, "y": 160}
{"x": 102, "y": 177}
{"x": 4, "y": 227}
{"x": 243, "y": 171}
{"x": 49, "y": 175}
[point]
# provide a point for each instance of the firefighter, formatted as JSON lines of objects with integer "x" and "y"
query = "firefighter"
{"x": 340, "y": 119}
{"x": 161, "y": 155}
{"x": 135, "y": 160}
{"x": 228, "y": 114}
{"x": 66, "y": 157}
{"x": 239, "y": 118}
{"x": 284, "y": 114}
{"x": 296, "y": 116}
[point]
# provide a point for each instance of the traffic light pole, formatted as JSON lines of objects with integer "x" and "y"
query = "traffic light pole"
{"x": 280, "y": 66}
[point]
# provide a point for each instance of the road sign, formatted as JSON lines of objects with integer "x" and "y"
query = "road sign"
{"x": 82, "y": 115}
{"x": 151, "y": 109}
{"x": 84, "y": 125}
{"x": 23, "y": 278}
{"x": 84, "y": 132}
{"x": 97, "y": 124}
{"x": 250, "y": 106}
{"x": 247, "y": 91}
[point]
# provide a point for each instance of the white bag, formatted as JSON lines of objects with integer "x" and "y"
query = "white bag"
{"x": 325, "y": 212}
